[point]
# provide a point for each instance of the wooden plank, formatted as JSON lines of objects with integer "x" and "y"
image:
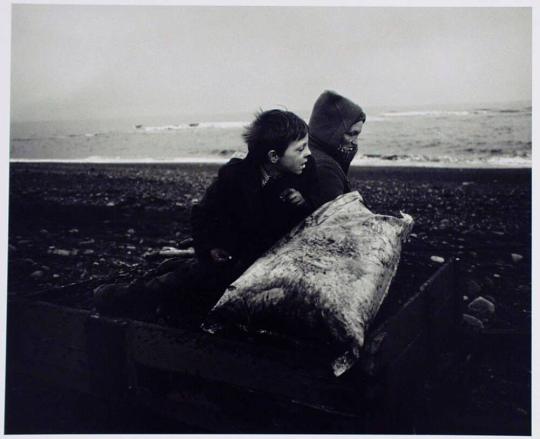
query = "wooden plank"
{"x": 66, "y": 377}
{"x": 224, "y": 408}
{"x": 403, "y": 380}
{"x": 442, "y": 306}
{"x": 52, "y": 352}
{"x": 246, "y": 365}
{"x": 49, "y": 322}
{"x": 108, "y": 355}
{"x": 394, "y": 335}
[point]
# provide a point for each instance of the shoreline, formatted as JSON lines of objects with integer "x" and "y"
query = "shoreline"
{"x": 221, "y": 161}
{"x": 411, "y": 174}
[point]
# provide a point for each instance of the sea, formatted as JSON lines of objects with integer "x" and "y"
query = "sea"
{"x": 494, "y": 135}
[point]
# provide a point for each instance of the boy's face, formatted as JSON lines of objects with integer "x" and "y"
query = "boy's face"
{"x": 350, "y": 138}
{"x": 295, "y": 157}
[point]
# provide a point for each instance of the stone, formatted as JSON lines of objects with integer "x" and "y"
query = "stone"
{"x": 472, "y": 322}
{"x": 62, "y": 252}
{"x": 516, "y": 257}
{"x": 437, "y": 259}
{"x": 38, "y": 274}
{"x": 444, "y": 224}
{"x": 481, "y": 308}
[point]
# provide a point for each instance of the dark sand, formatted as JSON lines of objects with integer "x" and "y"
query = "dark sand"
{"x": 79, "y": 222}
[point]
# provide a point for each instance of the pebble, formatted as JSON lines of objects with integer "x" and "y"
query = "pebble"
{"x": 87, "y": 242}
{"x": 38, "y": 274}
{"x": 481, "y": 308}
{"x": 60, "y": 252}
{"x": 12, "y": 248}
{"x": 516, "y": 257}
{"x": 131, "y": 231}
{"x": 472, "y": 322}
{"x": 110, "y": 204}
{"x": 44, "y": 231}
{"x": 444, "y": 224}
{"x": 438, "y": 259}
{"x": 496, "y": 275}
{"x": 74, "y": 231}
{"x": 88, "y": 251}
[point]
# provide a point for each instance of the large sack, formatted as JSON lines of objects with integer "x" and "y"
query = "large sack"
{"x": 326, "y": 278}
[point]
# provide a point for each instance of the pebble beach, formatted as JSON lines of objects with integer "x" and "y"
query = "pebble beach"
{"x": 71, "y": 223}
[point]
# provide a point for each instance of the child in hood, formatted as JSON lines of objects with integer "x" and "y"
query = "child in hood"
{"x": 334, "y": 127}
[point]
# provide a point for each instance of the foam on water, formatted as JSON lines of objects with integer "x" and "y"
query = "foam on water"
{"x": 480, "y": 136}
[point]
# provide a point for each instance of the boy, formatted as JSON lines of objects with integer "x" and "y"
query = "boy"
{"x": 334, "y": 127}
{"x": 252, "y": 203}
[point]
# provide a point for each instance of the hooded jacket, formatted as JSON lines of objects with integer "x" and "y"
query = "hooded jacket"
{"x": 332, "y": 116}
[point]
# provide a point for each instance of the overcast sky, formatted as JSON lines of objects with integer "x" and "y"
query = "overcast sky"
{"x": 77, "y": 62}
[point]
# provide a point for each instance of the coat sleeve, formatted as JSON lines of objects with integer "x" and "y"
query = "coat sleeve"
{"x": 207, "y": 219}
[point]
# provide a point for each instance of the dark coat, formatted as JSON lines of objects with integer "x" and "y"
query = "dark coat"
{"x": 241, "y": 216}
{"x": 332, "y": 116}
{"x": 332, "y": 180}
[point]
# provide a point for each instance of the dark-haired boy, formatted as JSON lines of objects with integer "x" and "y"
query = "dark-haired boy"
{"x": 253, "y": 202}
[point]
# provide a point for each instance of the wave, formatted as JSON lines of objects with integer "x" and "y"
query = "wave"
{"x": 367, "y": 160}
{"x": 443, "y": 113}
{"x": 192, "y": 126}
{"x": 514, "y": 161}
{"x": 60, "y": 136}
{"x": 430, "y": 113}
{"x": 122, "y": 160}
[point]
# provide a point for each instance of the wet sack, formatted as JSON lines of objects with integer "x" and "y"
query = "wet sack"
{"x": 325, "y": 280}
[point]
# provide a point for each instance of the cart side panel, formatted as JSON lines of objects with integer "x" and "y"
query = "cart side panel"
{"x": 48, "y": 342}
{"x": 295, "y": 375}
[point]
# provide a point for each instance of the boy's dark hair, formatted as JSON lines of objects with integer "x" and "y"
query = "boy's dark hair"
{"x": 273, "y": 129}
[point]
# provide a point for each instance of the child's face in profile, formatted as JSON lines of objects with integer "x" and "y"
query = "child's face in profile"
{"x": 295, "y": 157}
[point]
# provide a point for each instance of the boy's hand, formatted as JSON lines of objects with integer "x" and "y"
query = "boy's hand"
{"x": 292, "y": 196}
{"x": 220, "y": 256}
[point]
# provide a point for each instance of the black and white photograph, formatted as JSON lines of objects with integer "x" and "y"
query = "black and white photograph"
{"x": 268, "y": 218}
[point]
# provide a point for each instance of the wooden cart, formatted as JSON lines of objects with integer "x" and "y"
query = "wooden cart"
{"x": 239, "y": 385}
